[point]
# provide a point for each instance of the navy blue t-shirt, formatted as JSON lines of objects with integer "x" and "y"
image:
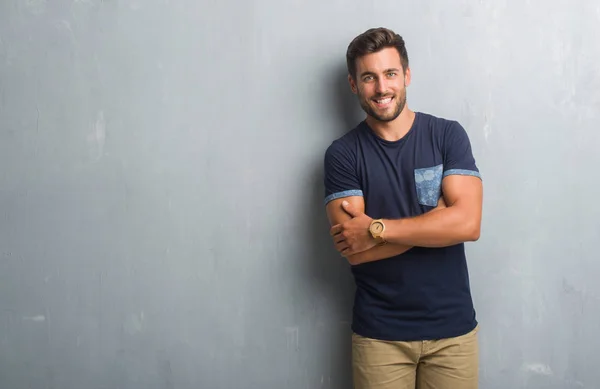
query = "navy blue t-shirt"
{"x": 423, "y": 293}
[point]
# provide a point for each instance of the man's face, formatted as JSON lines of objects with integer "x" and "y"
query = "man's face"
{"x": 381, "y": 84}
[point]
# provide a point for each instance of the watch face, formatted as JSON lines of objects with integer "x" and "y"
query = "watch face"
{"x": 377, "y": 228}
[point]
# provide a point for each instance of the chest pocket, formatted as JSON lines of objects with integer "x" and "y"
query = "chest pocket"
{"x": 428, "y": 182}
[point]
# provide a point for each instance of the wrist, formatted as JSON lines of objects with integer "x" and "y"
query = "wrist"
{"x": 393, "y": 230}
{"x": 377, "y": 230}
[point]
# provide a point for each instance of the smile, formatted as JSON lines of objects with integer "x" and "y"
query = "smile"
{"x": 383, "y": 102}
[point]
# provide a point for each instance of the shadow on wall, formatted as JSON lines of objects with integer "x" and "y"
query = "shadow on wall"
{"x": 347, "y": 107}
{"x": 326, "y": 267}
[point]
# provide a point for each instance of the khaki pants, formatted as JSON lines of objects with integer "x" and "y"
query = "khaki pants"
{"x": 431, "y": 364}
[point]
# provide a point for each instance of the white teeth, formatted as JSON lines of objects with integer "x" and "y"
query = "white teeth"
{"x": 384, "y": 101}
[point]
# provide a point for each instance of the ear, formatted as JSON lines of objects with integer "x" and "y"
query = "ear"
{"x": 352, "y": 84}
{"x": 407, "y": 77}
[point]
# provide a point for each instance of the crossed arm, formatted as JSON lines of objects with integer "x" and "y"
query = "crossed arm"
{"x": 456, "y": 219}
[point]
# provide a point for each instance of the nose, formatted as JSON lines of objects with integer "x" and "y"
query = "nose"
{"x": 380, "y": 86}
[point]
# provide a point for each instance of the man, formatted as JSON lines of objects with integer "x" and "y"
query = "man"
{"x": 403, "y": 194}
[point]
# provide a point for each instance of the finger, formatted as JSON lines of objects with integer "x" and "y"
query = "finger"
{"x": 350, "y": 209}
{"x": 338, "y": 238}
{"x": 335, "y": 229}
{"x": 347, "y": 252}
{"x": 341, "y": 246}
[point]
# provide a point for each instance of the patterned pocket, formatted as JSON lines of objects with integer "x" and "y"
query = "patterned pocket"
{"x": 428, "y": 182}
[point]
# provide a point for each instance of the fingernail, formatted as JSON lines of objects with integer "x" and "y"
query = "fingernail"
{"x": 344, "y": 202}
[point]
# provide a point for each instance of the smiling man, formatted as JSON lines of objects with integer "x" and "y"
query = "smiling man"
{"x": 403, "y": 194}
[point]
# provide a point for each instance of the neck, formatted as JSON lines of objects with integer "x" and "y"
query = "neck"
{"x": 395, "y": 129}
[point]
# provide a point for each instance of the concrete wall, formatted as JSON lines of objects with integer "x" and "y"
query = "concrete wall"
{"x": 161, "y": 218}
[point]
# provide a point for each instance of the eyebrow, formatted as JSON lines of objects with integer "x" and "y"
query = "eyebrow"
{"x": 385, "y": 71}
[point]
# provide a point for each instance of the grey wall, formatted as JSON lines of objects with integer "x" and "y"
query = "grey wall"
{"x": 161, "y": 219}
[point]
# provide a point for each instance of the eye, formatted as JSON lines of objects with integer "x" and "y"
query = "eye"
{"x": 391, "y": 74}
{"x": 367, "y": 78}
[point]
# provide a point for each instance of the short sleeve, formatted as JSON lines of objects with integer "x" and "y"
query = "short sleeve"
{"x": 340, "y": 176}
{"x": 458, "y": 155}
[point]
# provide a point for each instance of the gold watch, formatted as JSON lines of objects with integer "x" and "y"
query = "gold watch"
{"x": 377, "y": 228}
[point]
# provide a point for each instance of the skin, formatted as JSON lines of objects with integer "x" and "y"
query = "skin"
{"x": 456, "y": 219}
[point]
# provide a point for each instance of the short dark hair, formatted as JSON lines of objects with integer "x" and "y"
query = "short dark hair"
{"x": 372, "y": 41}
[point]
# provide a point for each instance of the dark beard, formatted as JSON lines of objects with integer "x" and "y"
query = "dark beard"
{"x": 400, "y": 104}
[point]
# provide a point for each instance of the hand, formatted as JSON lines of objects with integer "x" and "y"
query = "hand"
{"x": 353, "y": 236}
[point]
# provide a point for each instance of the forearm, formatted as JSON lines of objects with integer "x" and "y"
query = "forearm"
{"x": 377, "y": 253}
{"x": 386, "y": 251}
{"x": 446, "y": 227}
